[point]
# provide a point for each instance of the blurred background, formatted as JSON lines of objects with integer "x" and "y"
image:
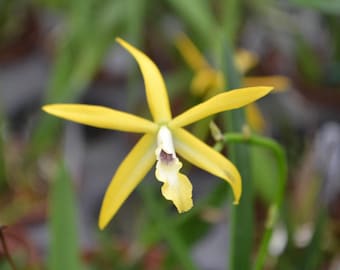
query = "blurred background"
{"x": 53, "y": 173}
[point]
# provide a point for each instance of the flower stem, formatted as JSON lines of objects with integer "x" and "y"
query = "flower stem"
{"x": 274, "y": 208}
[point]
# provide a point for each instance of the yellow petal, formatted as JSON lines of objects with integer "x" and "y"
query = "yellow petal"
{"x": 177, "y": 187}
{"x": 156, "y": 92}
{"x": 280, "y": 83}
{"x": 245, "y": 60}
{"x": 101, "y": 117}
{"x": 129, "y": 174}
{"x": 227, "y": 101}
{"x": 255, "y": 118}
{"x": 190, "y": 53}
{"x": 207, "y": 82}
{"x": 206, "y": 158}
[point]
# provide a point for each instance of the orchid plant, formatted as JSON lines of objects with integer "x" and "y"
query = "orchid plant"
{"x": 162, "y": 139}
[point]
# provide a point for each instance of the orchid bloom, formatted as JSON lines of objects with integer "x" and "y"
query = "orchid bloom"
{"x": 209, "y": 81}
{"x": 163, "y": 138}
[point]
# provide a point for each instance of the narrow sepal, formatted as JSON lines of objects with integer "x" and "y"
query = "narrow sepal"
{"x": 156, "y": 92}
{"x": 129, "y": 174}
{"x": 222, "y": 102}
{"x": 206, "y": 158}
{"x": 101, "y": 117}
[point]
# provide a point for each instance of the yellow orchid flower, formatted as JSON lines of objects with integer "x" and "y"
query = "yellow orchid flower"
{"x": 163, "y": 138}
{"x": 209, "y": 81}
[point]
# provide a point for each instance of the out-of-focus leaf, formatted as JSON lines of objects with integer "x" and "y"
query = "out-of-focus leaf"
{"x": 177, "y": 82}
{"x": 63, "y": 252}
{"x": 199, "y": 17}
{"x": 332, "y": 24}
{"x": 313, "y": 254}
{"x": 265, "y": 173}
{"x": 83, "y": 48}
{"x": 91, "y": 30}
{"x": 134, "y": 29}
{"x": 231, "y": 17}
{"x": 327, "y": 6}
{"x": 307, "y": 61}
{"x": 4, "y": 266}
{"x": 242, "y": 219}
{"x": 134, "y": 20}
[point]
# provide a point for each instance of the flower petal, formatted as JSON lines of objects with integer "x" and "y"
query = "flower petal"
{"x": 101, "y": 117}
{"x": 226, "y": 101}
{"x": 255, "y": 118}
{"x": 156, "y": 92}
{"x": 190, "y": 53}
{"x": 129, "y": 174}
{"x": 207, "y": 82}
{"x": 245, "y": 60}
{"x": 177, "y": 187}
{"x": 206, "y": 158}
{"x": 280, "y": 83}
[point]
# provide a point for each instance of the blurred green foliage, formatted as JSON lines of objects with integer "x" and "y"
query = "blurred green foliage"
{"x": 64, "y": 252}
{"x": 80, "y": 52}
{"x": 327, "y": 6}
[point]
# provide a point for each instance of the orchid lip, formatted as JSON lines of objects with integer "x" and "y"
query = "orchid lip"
{"x": 176, "y": 186}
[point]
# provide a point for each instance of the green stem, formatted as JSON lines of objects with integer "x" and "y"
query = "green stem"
{"x": 266, "y": 143}
{"x": 273, "y": 211}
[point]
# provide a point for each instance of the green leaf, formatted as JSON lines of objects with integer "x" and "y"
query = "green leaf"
{"x": 78, "y": 57}
{"x": 308, "y": 62}
{"x": 64, "y": 252}
{"x": 136, "y": 13}
{"x": 231, "y": 18}
{"x": 313, "y": 256}
{"x": 198, "y": 16}
{"x": 242, "y": 219}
